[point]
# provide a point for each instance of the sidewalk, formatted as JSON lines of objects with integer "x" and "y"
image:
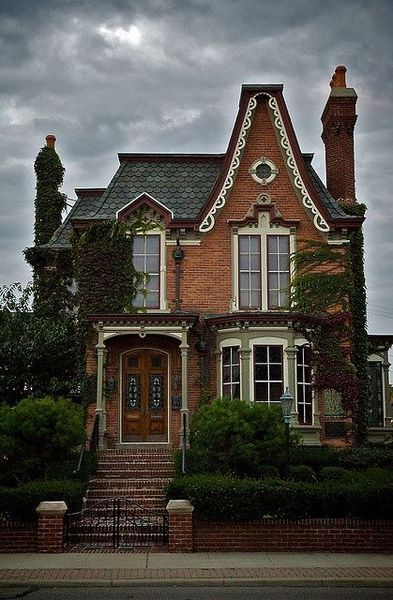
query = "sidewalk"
{"x": 145, "y": 568}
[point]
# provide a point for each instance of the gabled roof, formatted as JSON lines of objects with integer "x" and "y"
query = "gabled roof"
{"x": 193, "y": 187}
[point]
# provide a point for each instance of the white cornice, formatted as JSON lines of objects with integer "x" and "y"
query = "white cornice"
{"x": 209, "y": 221}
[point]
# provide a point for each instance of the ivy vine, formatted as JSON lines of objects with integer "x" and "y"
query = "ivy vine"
{"x": 49, "y": 202}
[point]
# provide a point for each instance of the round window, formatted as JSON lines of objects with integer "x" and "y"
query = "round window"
{"x": 263, "y": 171}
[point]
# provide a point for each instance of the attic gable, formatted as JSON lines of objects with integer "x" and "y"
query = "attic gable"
{"x": 303, "y": 186}
{"x": 144, "y": 202}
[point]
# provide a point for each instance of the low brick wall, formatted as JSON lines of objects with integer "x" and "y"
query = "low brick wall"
{"x": 304, "y": 535}
{"x": 18, "y": 536}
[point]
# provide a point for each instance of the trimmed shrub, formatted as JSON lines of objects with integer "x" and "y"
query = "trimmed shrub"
{"x": 301, "y": 473}
{"x": 223, "y": 498}
{"x": 268, "y": 472}
{"x": 36, "y": 433}
{"x": 335, "y": 474}
{"x": 235, "y": 437}
{"x": 21, "y": 502}
{"x": 349, "y": 458}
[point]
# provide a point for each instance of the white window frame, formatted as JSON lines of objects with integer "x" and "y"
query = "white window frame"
{"x": 162, "y": 271}
{"x": 268, "y": 341}
{"x": 262, "y": 229}
{"x": 305, "y": 385}
{"x": 229, "y": 343}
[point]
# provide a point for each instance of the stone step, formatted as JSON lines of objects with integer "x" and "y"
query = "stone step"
{"x": 134, "y": 474}
{"x": 132, "y": 484}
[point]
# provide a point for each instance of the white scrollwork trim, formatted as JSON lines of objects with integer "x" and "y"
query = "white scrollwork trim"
{"x": 319, "y": 221}
{"x": 209, "y": 221}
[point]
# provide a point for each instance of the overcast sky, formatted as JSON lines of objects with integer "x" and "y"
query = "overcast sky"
{"x": 108, "y": 76}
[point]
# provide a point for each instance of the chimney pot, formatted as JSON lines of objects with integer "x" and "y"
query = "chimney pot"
{"x": 50, "y": 141}
{"x": 338, "y": 79}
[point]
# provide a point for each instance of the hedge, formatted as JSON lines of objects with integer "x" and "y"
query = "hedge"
{"x": 223, "y": 498}
{"x": 21, "y": 502}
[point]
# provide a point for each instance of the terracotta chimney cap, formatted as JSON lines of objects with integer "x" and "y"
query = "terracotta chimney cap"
{"x": 50, "y": 141}
{"x": 338, "y": 79}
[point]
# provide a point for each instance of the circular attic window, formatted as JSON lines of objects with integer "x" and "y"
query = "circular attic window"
{"x": 263, "y": 171}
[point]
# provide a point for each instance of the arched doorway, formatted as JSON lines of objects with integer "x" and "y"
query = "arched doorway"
{"x": 144, "y": 398}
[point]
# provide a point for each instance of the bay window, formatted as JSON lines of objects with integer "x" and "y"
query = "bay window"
{"x": 231, "y": 372}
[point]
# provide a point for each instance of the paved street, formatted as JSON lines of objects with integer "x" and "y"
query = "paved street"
{"x": 197, "y": 593}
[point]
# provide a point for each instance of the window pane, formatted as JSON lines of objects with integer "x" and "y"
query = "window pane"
{"x": 276, "y": 372}
{"x": 272, "y": 243}
{"x": 284, "y": 244}
{"x": 152, "y": 283}
{"x": 152, "y": 244}
{"x": 152, "y": 300}
{"x": 273, "y": 281}
{"x": 255, "y": 262}
{"x": 275, "y": 354}
{"x": 254, "y": 243}
{"x": 236, "y": 391}
{"x": 255, "y": 281}
{"x": 254, "y": 303}
{"x": 152, "y": 264}
{"x": 138, "y": 263}
{"x": 243, "y": 281}
{"x": 261, "y": 372}
{"x": 275, "y": 392}
{"x": 261, "y": 392}
{"x": 273, "y": 299}
{"x": 226, "y": 374}
{"x": 139, "y": 244}
{"x": 284, "y": 262}
{"x": 244, "y": 262}
{"x": 261, "y": 354}
{"x": 273, "y": 262}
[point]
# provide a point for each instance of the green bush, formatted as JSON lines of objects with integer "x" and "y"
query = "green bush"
{"x": 224, "y": 498}
{"x": 21, "y": 502}
{"x": 350, "y": 458}
{"x": 335, "y": 474}
{"x": 268, "y": 472}
{"x": 36, "y": 433}
{"x": 235, "y": 437}
{"x": 301, "y": 473}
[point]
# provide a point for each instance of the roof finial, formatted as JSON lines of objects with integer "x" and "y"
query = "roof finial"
{"x": 50, "y": 141}
{"x": 338, "y": 79}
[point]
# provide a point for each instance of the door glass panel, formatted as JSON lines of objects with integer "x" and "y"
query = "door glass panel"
{"x": 133, "y": 392}
{"x": 156, "y": 392}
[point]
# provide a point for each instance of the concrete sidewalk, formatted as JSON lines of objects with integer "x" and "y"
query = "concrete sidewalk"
{"x": 146, "y": 568}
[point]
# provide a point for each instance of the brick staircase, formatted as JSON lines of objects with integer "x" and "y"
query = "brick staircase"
{"x": 137, "y": 473}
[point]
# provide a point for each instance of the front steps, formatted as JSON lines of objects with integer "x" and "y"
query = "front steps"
{"x": 136, "y": 473}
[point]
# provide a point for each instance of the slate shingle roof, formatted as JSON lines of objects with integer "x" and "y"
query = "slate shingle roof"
{"x": 332, "y": 206}
{"x": 182, "y": 185}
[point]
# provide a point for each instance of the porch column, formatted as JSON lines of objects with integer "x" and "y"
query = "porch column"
{"x": 388, "y": 411}
{"x": 245, "y": 353}
{"x": 291, "y": 352}
{"x": 184, "y": 412}
{"x": 100, "y": 404}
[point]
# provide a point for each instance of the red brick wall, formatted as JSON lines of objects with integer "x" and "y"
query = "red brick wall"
{"x": 206, "y": 280}
{"x": 18, "y": 537}
{"x": 306, "y": 535}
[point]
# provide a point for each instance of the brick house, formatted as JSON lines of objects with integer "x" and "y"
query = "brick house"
{"x": 214, "y": 318}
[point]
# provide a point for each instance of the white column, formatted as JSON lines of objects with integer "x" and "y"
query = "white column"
{"x": 291, "y": 352}
{"x": 184, "y": 412}
{"x": 100, "y": 404}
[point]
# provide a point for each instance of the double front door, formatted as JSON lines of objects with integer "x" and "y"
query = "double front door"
{"x": 144, "y": 397}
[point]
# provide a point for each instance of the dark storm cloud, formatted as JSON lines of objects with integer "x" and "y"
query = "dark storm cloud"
{"x": 164, "y": 75}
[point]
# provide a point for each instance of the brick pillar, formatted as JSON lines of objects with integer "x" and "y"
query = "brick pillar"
{"x": 50, "y": 526}
{"x": 180, "y": 525}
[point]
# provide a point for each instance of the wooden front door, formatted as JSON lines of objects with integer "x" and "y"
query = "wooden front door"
{"x": 145, "y": 382}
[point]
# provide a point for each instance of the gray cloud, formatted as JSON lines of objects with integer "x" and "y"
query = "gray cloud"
{"x": 78, "y": 69}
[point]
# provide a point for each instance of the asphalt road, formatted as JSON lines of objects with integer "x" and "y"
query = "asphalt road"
{"x": 197, "y": 593}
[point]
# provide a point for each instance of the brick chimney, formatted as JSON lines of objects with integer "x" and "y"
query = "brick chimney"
{"x": 50, "y": 141}
{"x": 338, "y": 120}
